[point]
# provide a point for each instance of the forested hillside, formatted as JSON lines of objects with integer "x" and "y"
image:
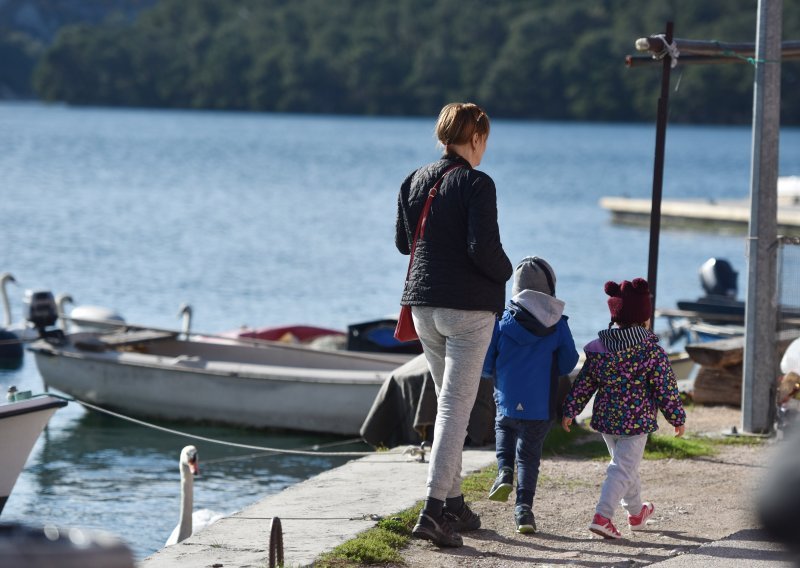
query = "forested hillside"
{"x": 27, "y": 27}
{"x": 520, "y": 58}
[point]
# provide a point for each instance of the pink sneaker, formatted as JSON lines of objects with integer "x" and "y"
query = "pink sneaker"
{"x": 604, "y": 527}
{"x": 638, "y": 522}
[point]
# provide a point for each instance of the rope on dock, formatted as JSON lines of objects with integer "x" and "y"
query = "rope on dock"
{"x": 204, "y": 438}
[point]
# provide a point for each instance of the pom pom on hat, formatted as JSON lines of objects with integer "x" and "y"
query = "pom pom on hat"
{"x": 629, "y": 302}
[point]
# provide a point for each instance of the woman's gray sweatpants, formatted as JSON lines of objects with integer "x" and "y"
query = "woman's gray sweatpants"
{"x": 455, "y": 344}
{"x": 622, "y": 485}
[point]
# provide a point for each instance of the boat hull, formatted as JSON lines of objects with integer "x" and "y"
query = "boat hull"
{"x": 21, "y": 423}
{"x": 201, "y": 386}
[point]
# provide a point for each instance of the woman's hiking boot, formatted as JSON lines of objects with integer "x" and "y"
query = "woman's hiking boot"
{"x": 463, "y": 520}
{"x": 436, "y": 530}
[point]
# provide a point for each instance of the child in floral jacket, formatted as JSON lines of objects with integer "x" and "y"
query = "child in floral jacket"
{"x": 631, "y": 377}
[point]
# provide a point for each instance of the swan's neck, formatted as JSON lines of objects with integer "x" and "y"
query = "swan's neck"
{"x": 187, "y": 503}
{"x": 6, "y": 305}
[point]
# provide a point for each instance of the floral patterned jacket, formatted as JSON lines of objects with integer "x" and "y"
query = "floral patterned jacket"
{"x": 631, "y": 384}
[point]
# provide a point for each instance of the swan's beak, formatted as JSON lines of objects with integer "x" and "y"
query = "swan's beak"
{"x": 194, "y": 467}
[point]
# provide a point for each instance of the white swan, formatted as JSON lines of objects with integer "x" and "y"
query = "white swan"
{"x": 21, "y": 329}
{"x": 186, "y": 313}
{"x": 6, "y": 277}
{"x": 61, "y": 305}
{"x": 190, "y": 521}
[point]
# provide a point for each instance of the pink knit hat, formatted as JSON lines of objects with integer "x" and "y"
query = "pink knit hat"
{"x": 629, "y": 302}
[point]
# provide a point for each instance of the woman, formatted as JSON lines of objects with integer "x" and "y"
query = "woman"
{"x": 456, "y": 286}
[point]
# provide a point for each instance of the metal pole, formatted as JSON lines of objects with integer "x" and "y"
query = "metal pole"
{"x": 658, "y": 173}
{"x": 760, "y": 365}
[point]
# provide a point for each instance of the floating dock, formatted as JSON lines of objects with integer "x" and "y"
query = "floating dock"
{"x": 732, "y": 215}
{"x": 720, "y": 216}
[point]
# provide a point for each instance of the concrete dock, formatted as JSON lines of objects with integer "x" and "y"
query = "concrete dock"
{"x": 316, "y": 515}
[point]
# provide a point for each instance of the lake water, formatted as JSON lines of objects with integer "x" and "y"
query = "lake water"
{"x": 268, "y": 219}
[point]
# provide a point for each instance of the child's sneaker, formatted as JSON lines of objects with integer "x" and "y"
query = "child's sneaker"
{"x": 638, "y": 522}
{"x": 523, "y": 518}
{"x": 604, "y": 527}
{"x": 502, "y": 485}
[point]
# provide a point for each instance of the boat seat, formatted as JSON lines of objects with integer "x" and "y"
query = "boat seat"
{"x": 123, "y": 339}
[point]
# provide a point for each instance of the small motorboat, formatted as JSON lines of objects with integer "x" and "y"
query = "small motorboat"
{"x": 715, "y": 315}
{"x": 718, "y": 314}
{"x": 165, "y": 374}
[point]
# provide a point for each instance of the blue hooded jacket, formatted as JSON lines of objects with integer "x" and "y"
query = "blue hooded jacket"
{"x": 531, "y": 347}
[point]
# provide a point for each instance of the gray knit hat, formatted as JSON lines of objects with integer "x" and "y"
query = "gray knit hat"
{"x": 534, "y": 273}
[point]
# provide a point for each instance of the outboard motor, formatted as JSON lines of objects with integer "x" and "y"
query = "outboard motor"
{"x": 41, "y": 311}
{"x": 718, "y": 278}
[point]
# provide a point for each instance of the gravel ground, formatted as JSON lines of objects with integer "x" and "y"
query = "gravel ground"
{"x": 696, "y": 501}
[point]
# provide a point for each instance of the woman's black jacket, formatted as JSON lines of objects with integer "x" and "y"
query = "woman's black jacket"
{"x": 460, "y": 263}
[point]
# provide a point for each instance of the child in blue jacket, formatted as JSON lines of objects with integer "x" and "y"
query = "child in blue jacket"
{"x": 531, "y": 348}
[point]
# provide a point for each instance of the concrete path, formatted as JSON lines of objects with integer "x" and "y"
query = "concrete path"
{"x": 749, "y": 548}
{"x": 316, "y": 515}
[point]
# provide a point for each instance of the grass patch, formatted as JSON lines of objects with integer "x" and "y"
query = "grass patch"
{"x": 579, "y": 442}
{"x": 476, "y": 486}
{"x": 692, "y": 446}
{"x": 737, "y": 441}
{"x": 378, "y": 545}
{"x": 665, "y": 447}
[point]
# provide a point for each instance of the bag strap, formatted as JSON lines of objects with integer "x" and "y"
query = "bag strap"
{"x": 420, "y": 230}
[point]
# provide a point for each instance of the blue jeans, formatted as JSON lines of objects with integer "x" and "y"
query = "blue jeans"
{"x": 521, "y": 441}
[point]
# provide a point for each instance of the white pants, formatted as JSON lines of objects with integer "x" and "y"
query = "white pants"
{"x": 622, "y": 485}
{"x": 455, "y": 344}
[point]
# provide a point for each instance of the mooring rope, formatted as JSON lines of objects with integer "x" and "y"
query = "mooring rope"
{"x": 205, "y": 438}
{"x": 751, "y": 60}
{"x": 670, "y": 49}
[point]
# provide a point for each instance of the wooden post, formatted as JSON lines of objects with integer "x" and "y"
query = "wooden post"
{"x": 658, "y": 173}
{"x": 760, "y": 361}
